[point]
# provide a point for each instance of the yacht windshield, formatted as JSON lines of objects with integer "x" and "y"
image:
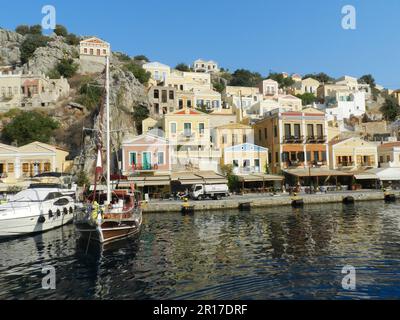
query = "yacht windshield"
{"x": 30, "y": 195}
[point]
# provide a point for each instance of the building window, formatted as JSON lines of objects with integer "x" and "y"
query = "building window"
{"x": 104, "y": 51}
{"x": 156, "y": 75}
{"x": 173, "y": 128}
{"x": 276, "y": 157}
{"x": 156, "y": 94}
{"x": 187, "y": 128}
{"x": 25, "y": 168}
{"x": 47, "y": 167}
{"x": 265, "y": 133}
{"x": 297, "y": 130}
{"x": 201, "y": 128}
{"x": 85, "y": 50}
{"x": 171, "y": 95}
{"x": 235, "y": 163}
{"x": 132, "y": 158}
{"x": 10, "y": 168}
{"x": 160, "y": 158}
{"x": 388, "y": 158}
{"x": 180, "y": 103}
{"x": 320, "y": 130}
{"x": 275, "y": 131}
{"x": 91, "y": 51}
{"x": 189, "y": 103}
{"x": 259, "y": 135}
{"x": 164, "y": 95}
{"x": 381, "y": 159}
{"x": 98, "y": 52}
{"x": 156, "y": 108}
{"x": 244, "y": 138}
{"x": 224, "y": 138}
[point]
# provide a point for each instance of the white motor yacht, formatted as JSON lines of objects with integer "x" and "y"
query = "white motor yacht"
{"x": 35, "y": 210}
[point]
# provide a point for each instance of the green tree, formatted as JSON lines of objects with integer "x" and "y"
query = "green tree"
{"x": 90, "y": 94}
{"x": 36, "y": 29}
{"x": 82, "y": 179}
{"x": 141, "y": 57}
{"x": 245, "y": 78}
{"x": 321, "y": 77}
{"x": 282, "y": 81}
{"x": 30, "y": 44}
{"x": 233, "y": 180}
{"x": 182, "y": 67}
{"x": 307, "y": 98}
{"x": 22, "y": 29}
{"x": 72, "y": 39}
{"x": 368, "y": 79}
{"x": 67, "y": 68}
{"x": 61, "y": 30}
{"x": 390, "y": 109}
{"x": 142, "y": 75}
{"x": 28, "y": 127}
{"x": 218, "y": 86}
{"x": 140, "y": 113}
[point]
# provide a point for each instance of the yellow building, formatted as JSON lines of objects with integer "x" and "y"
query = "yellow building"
{"x": 30, "y": 160}
{"x": 188, "y": 131}
{"x": 353, "y": 154}
{"x": 232, "y": 134}
{"x": 246, "y": 158}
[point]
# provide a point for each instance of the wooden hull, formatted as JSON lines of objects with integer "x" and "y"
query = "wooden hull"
{"x": 108, "y": 232}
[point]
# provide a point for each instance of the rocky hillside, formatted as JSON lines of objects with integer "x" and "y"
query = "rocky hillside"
{"x": 127, "y": 94}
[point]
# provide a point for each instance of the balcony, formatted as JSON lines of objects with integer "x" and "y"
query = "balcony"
{"x": 293, "y": 164}
{"x": 346, "y": 164}
{"x": 246, "y": 170}
{"x": 316, "y": 139}
{"x": 146, "y": 167}
{"x": 293, "y": 139}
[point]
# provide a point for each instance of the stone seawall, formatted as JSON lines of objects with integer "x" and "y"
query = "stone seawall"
{"x": 257, "y": 201}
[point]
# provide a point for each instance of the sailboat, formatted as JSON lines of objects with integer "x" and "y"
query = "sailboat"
{"x": 115, "y": 214}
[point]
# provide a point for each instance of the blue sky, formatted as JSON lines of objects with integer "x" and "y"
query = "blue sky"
{"x": 301, "y": 36}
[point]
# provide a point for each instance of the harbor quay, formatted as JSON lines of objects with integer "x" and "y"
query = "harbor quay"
{"x": 266, "y": 200}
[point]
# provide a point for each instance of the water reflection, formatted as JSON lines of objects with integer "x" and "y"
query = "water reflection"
{"x": 269, "y": 253}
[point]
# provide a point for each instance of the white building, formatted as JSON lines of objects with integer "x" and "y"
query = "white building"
{"x": 30, "y": 90}
{"x": 346, "y": 105}
{"x": 269, "y": 87}
{"x": 205, "y": 66}
{"x": 159, "y": 72}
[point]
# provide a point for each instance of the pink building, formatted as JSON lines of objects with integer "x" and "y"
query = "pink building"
{"x": 146, "y": 154}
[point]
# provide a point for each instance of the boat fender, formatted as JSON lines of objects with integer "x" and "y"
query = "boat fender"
{"x": 41, "y": 219}
{"x": 50, "y": 214}
{"x": 65, "y": 211}
{"x": 58, "y": 212}
{"x": 71, "y": 210}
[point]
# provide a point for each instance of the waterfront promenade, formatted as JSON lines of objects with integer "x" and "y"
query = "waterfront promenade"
{"x": 265, "y": 200}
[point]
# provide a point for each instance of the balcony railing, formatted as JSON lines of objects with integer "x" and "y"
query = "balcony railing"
{"x": 346, "y": 164}
{"x": 293, "y": 139}
{"x": 146, "y": 167}
{"x": 316, "y": 139}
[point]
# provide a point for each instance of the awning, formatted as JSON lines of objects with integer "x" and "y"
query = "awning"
{"x": 147, "y": 181}
{"x": 366, "y": 176}
{"x": 386, "y": 174}
{"x": 190, "y": 178}
{"x": 259, "y": 177}
{"x": 316, "y": 172}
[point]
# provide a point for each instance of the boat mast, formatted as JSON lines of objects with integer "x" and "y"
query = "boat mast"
{"x": 108, "y": 149}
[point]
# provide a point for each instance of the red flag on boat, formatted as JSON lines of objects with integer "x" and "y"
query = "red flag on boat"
{"x": 99, "y": 164}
